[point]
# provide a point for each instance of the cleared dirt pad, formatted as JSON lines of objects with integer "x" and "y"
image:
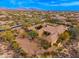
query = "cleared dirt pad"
{"x": 28, "y": 46}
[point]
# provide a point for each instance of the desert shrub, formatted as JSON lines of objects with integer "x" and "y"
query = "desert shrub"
{"x": 15, "y": 46}
{"x": 46, "y": 33}
{"x": 12, "y": 24}
{"x": 59, "y": 49}
{"x": 36, "y": 21}
{"x": 18, "y": 49}
{"x": 39, "y": 27}
{"x": 74, "y": 32}
{"x": 72, "y": 21}
{"x": 54, "y": 54}
{"x": 32, "y": 34}
{"x": 8, "y": 36}
{"x": 56, "y": 21}
{"x": 23, "y": 53}
{"x": 63, "y": 36}
{"x": 45, "y": 55}
{"x": 55, "y": 44}
{"x": 22, "y": 34}
{"x": 44, "y": 43}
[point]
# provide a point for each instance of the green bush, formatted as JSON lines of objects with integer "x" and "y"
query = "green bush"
{"x": 32, "y": 34}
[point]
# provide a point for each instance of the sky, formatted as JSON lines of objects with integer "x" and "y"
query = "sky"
{"x": 71, "y": 5}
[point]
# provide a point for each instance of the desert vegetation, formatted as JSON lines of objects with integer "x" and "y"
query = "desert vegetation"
{"x": 41, "y": 34}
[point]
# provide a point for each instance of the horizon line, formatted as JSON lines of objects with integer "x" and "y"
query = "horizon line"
{"x": 30, "y": 9}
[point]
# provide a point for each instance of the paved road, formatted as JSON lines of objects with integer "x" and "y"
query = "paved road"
{"x": 2, "y": 30}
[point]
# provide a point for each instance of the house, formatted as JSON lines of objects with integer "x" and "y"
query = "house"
{"x": 54, "y": 31}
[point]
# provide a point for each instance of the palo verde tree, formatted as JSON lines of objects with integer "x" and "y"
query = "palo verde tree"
{"x": 64, "y": 36}
{"x": 8, "y": 36}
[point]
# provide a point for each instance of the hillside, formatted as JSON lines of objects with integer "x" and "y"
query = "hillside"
{"x": 34, "y": 33}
